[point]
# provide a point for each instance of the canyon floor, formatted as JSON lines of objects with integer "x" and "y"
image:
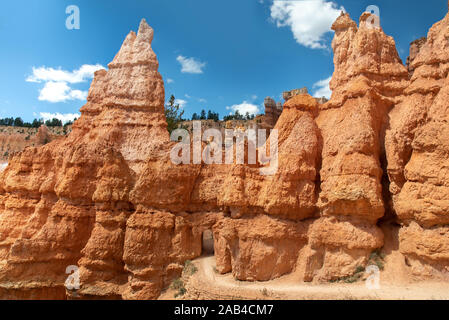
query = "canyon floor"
{"x": 396, "y": 283}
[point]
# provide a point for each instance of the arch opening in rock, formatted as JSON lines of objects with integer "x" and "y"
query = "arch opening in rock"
{"x": 208, "y": 243}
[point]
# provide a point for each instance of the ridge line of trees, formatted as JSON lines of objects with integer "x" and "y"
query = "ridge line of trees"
{"x": 174, "y": 115}
{"x": 209, "y": 116}
{"x": 18, "y": 122}
{"x": 238, "y": 116}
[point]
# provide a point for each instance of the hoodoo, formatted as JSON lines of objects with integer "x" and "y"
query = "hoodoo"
{"x": 107, "y": 199}
{"x": 417, "y": 152}
{"x": 67, "y": 202}
{"x": 368, "y": 78}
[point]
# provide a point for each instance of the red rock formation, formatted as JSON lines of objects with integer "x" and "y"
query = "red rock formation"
{"x": 109, "y": 199}
{"x": 290, "y": 192}
{"x": 16, "y": 139}
{"x": 67, "y": 194}
{"x": 368, "y": 78}
{"x": 415, "y": 47}
{"x": 256, "y": 243}
{"x": 417, "y": 149}
{"x": 258, "y": 248}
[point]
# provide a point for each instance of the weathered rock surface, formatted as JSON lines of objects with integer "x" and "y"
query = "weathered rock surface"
{"x": 287, "y": 95}
{"x": 109, "y": 199}
{"x": 54, "y": 198}
{"x": 417, "y": 150}
{"x": 265, "y": 246}
{"x": 258, "y": 248}
{"x": 16, "y": 139}
{"x": 290, "y": 192}
{"x": 415, "y": 47}
{"x": 367, "y": 79}
{"x": 272, "y": 112}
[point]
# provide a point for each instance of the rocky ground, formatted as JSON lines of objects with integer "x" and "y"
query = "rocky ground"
{"x": 207, "y": 284}
{"x": 362, "y": 180}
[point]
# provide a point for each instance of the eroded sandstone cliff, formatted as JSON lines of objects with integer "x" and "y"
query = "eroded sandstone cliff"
{"x": 417, "y": 152}
{"x": 368, "y": 78}
{"x": 109, "y": 199}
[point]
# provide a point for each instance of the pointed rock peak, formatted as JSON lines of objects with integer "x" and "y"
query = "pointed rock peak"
{"x": 129, "y": 39}
{"x": 145, "y": 32}
{"x": 344, "y": 22}
{"x": 369, "y": 20}
{"x": 136, "y": 49}
{"x": 365, "y": 15}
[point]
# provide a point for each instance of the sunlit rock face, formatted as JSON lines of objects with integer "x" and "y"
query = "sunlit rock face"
{"x": 67, "y": 203}
{"x": 109, "y": 200}
{"x": 368, "y": 80}
{"x": 417, "y": 152}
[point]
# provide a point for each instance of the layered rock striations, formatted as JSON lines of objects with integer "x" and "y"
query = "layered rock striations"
{"x": 273, "y": 111}
{"x": 262, "y": 238}
{"x": 415, "y": 47}
{"x": 417, "y": 151}
{"x": 68, "y": 201}
{"x": 110, "y": 200}
{"x": 367, "y": 81}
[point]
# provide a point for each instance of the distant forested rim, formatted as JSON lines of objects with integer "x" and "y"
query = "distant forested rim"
{"x": 18, "y": 122}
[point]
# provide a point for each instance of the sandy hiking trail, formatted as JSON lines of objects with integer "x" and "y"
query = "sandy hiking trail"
{"x": 206, "y": 283}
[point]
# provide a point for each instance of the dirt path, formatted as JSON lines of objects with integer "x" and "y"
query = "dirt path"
{"x": 207, "y": 284}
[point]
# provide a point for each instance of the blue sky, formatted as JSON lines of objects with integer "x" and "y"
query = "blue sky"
{"x": 218, "y": 54}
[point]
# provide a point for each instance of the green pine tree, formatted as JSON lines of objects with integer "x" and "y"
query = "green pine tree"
{"x": 172, "y": 114}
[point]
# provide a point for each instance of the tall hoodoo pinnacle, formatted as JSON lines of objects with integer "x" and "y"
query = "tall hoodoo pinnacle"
{"x": 368, "y": 77}
{"x": 145, "y": 32}
{"x": 344, "y": 22}
{"x": 136, "y": 49}
{"x": 416, "y": 148}
{"x": 132, "y": 83}
{"x": 363, "y": 54}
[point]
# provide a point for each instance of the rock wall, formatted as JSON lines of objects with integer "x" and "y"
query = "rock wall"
{"x": 287, "y": 95}
{"x": 417, "y": 149}
{"x": 272, "y": 112}
{"x": 367, "y": 79}
{"x": 108, "y": 198}
{"x": 415, "y": 47}
{"x": 16, "y": 139}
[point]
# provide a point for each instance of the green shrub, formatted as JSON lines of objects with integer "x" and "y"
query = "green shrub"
{"x": 377, "y": 258}
{"x": 189, "y": 268}
{"x": 178, "y": 285}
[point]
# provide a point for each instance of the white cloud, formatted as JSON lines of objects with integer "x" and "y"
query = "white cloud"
{"x": 244, "y": 107}
{"x": 56, "y": 88}
{"x": 322, "y": 88}
{"x": 309, "y": 20}
{"x": 182, "y": 103}
{"x": 170, "y": 80}
{"x": 254, "y": 97}
{"x": 187, "y": 96}
{"x": 202, "y": 100}
{"x": 44, "y": 74}
{"x": 190, "y": 65}
{"x": 60, "y": 92}
{"x": 66, "y": 117}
